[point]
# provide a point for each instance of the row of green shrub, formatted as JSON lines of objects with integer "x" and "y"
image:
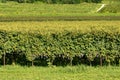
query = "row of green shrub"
{"x": 71, "y": 1}
{"x": 56, "y": 1}
{"x": 95, "y": 47}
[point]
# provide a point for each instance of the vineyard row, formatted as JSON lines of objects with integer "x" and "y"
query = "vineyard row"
{"x": 97, "y": 47}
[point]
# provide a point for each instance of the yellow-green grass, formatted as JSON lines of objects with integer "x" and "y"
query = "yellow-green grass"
{"x": 37, "y": 9}
{"x": 59, "y": 26}
{"x": 59, "y": 73}
{"x": 42, "y": 9}
{"x": 14, "y": 9}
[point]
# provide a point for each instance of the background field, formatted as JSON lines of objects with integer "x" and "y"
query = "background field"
{"x": 41, "y": 9}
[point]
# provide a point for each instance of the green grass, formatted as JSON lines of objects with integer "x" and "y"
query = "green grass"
{"x": 59, "y": 73}
{"x": 40, "y": 9}
{"x": 14, "y": 9}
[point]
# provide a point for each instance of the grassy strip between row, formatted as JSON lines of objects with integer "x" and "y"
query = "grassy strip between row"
{"x": 59, "y": 73}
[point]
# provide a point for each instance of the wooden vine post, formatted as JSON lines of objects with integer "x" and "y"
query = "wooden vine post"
{"x": 101, "y": 60}
{"x": 32, "y": 63}
{"x": 4, "y": 59}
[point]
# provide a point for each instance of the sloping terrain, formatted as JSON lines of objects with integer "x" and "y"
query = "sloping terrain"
{"x": 40, "y": 9}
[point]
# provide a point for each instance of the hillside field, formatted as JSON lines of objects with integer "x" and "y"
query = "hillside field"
{"x": 40, "y": 9}
{"x": 42, "y": 41}
{"x": 47, "y": 10}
